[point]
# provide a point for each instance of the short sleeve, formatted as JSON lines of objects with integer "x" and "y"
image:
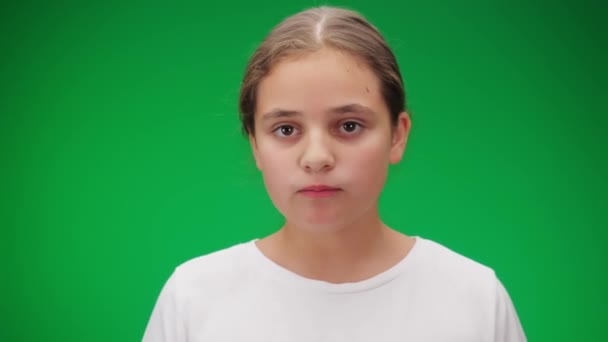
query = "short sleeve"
{"x": 165, "y": 324}
{"x": 507, "y": 325}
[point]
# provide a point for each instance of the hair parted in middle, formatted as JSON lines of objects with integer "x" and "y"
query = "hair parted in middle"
{"x": 311, "y": 30}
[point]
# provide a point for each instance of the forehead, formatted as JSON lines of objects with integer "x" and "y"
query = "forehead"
{"x": 317, "y": 82}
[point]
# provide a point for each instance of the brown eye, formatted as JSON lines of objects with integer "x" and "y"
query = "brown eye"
{"x": 350, "y": 127}
{"x": 285, "y": 131}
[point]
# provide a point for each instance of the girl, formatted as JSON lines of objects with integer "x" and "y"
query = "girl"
{"x": 323, "y": 105}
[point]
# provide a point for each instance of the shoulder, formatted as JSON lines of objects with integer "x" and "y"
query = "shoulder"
{"x": 214, "y": 271}
{"x": 442, "y": 259}
{"x": 456, "y": 286}
{"x": 464, "y": 292}
{"x": 440, "y": 265}
{"x": 218, "y": 258}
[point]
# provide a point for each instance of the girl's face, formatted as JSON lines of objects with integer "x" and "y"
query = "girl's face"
{"x": 324, "y": 139}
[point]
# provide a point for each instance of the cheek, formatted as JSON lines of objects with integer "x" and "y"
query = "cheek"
{"x": 369, "y": 164}
{"x": 373, "y": 152}
{"x": 275, "y": 167}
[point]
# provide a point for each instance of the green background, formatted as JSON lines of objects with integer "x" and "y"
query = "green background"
{"x": 121, "y": 153}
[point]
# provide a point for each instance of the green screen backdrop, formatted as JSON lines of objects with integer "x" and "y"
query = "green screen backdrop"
{"x": 122, "y": 157}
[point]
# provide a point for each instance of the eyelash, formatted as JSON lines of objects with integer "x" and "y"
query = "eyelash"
{"x": 358, "y": 128}
{"x": 277, "y": 131}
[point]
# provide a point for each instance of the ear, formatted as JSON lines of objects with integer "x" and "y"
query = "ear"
{"x": 254, "y": 149}
{"x": 400, "y": 134}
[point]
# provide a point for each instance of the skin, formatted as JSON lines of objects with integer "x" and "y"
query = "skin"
{"x": 320, "y": 119}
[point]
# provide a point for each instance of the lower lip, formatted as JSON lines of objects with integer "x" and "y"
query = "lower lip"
{"x": 319, "y": 194}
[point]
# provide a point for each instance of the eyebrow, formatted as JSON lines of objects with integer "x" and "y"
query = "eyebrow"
{"x": 349, "y": 108}
{"x": 354, "y": 108}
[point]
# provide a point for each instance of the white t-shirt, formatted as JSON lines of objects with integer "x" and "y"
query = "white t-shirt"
{"x": 238, "y": 294}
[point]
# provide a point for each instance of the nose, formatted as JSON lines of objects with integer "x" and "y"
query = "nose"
{"x": 317, "y": 155}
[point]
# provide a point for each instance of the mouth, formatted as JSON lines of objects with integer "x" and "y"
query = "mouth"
{"x": 319, "y": 191}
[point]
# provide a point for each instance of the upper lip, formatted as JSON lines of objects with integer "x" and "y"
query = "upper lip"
{"x": 319, "y": 187}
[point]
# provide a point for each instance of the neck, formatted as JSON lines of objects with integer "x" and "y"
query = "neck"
{"x": 345, "y": 254}
{"x": 335, "y": 244}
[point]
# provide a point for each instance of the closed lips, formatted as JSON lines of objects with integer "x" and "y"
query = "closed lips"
{"x": 319, "y": 188}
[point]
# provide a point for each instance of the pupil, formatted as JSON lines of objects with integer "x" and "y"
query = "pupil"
{"x": 287, "y": 130}
{"x": 350, "y": 126}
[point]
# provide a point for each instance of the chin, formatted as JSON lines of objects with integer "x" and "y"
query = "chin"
{"x": 319, "y": 224}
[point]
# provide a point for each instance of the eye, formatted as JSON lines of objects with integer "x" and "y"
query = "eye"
{"x": 350, "y": 127}
{"x": 285, "y": 131}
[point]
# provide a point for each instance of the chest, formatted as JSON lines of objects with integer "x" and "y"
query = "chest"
{"x": 385, "y": 318}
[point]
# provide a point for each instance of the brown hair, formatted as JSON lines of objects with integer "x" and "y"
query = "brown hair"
{"x": 311, "y": 30}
